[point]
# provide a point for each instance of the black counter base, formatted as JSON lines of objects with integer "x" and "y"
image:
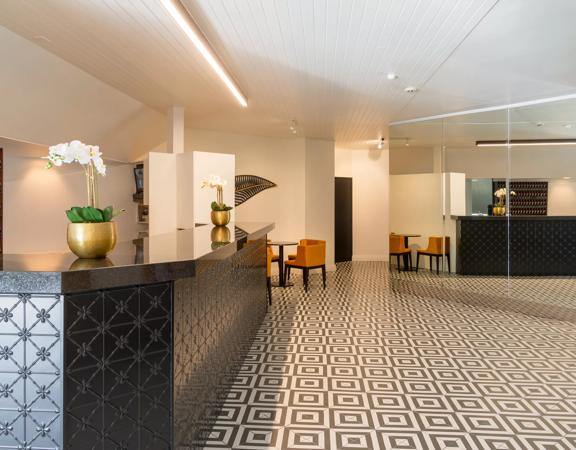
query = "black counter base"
{"x": 516, "y": 246}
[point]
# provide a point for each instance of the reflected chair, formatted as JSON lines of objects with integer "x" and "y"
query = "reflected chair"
{"x": 437, "y": 248}
{"x": 308, "y": 257}
{"x": 275, "y": 257}
{"x": 308, "y": 242}
{"x": 269, "y": 259}
{"x": 398, "y": 249}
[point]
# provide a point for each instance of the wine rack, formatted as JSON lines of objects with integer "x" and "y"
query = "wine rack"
{"x": 531, "y": 197}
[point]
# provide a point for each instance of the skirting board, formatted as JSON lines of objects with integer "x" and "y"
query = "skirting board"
{"x": 370, "y": 258}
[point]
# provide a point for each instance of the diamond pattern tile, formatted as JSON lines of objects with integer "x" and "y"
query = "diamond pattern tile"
{"x": 364, "y": 365}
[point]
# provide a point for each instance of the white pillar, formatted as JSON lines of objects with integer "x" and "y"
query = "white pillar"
{"x": 175, "y": 138}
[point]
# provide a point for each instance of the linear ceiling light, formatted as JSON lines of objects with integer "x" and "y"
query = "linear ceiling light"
{"x": 526, "y": 142}
{"x": 183, "y": 19}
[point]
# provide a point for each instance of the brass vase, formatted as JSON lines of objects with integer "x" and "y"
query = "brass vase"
{"x": 220, "y": 218}
{"x": 91, "y": 240}
{"x": 499, "y": 210}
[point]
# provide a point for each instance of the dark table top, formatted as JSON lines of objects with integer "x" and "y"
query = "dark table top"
{"x": 140, "y": 261}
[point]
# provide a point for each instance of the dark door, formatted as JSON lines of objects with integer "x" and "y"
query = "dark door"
{"x": 343, "y": 219}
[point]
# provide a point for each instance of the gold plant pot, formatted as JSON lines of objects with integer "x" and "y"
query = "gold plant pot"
{"x": 91, "y": 240}
{"x": 220, "y": 218}
{"x": 499, "y": 210}
{"x": 220, "y": 234}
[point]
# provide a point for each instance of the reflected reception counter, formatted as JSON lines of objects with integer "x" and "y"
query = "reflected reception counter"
{"x": 516, "y": 245}
{"x": 135, "y": 351}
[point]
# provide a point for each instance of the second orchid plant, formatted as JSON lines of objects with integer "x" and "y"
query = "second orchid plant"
{"x": 215, "y": 182}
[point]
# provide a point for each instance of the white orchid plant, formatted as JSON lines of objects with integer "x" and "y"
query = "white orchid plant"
{"x": 216, "y": 182}
{"x": 500, "y": 194}
{"x": 90, "y": 158}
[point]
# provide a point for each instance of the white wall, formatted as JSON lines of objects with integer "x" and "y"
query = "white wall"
{"x": 562, "y": 198}
{"x": 416, "y": 207}
{"x": 320, "y": 194}
{"x": 35, "y": 199}
{"x": 370, "y": 190}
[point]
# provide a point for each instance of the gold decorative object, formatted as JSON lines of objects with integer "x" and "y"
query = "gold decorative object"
{"x": 499, "y": 210}
{"x": 88, "y": 264}
{"x": 220, "y": 218}
{"x": 91, "y": 240}
{"x": 220, "y": 234}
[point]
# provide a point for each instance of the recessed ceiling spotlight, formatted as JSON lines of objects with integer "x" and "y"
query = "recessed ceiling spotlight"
{"x": 539, "y": 124}
{"x": 410, "y": 89}
{"x": 294, "y": 127}
{"x": 391, "y": 76}
{"x": 381, "y": 143}
{"x": 568, "y": 125}
{"x": 407, "y": 143}
{"x": 566, "y": 178}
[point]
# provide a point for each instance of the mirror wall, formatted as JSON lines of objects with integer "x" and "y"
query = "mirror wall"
{"x": 493, "y": 194}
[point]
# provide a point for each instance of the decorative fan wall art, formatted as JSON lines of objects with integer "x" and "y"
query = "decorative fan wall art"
{"x": 247, "y": 186}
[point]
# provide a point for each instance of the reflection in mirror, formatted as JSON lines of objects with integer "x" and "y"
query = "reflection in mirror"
{"x": 543, "y": 211}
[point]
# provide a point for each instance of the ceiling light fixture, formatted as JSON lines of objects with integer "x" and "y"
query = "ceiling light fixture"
{"x": 381, "y": 143}
{"x": 568, "y": 125}
{"x": 294, "y": 127}
{"x": 185, "y": 22}
{"x": 391, "y": 76}
{"x": 526, "y": 143}
{"x": 566, "y": 178}
{"x": 410, "y": 89}
{"x": 407, "y": 143}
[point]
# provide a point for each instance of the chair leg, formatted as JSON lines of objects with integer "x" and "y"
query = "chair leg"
{"x": 448, "y": 260}
{"x": 410, "y": 259}
{"x": 306, "y": 275}
{"x": 398, "y": 257}
{"x": 438, "y": 265}
{"x": 289, "y": 273}
{"x": 431, "y": 266}
{"x": 269, "y": 287}
{"x": 324, "y": 276}
{"x": 417, "y": 261}
{"x": 286, "y": 272}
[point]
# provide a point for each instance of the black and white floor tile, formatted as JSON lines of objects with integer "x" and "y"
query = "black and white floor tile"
{"x": 363, "y": 366}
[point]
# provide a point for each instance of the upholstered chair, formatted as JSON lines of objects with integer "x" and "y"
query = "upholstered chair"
{"x": 308, "y": 257}
{"x": 437, "y": 248}
{"x": 398, "y": 249}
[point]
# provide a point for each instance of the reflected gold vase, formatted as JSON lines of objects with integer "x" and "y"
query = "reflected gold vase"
{"x": 220, "y": 218}
{"x": 91, "y": 240}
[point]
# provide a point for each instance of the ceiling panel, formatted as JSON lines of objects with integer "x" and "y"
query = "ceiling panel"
{"x": 322, "y": 63}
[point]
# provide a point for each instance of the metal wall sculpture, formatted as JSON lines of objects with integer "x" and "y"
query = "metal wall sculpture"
{"x": 247, "y": 186}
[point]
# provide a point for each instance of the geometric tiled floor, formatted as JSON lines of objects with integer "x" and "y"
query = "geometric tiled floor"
{"x": 361, "y": 366}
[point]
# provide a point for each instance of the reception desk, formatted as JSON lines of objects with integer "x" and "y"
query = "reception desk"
{"x": 132, "y": 352}
{"x": 517, "y": 245}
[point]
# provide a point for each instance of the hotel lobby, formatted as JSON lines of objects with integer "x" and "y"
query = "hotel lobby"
{"x": 304, "y": 225}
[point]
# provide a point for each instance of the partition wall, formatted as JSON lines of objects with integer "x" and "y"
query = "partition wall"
{"x": 500, "y": 187}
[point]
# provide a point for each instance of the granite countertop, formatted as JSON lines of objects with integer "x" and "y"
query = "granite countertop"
{"x": 155, "y": 259}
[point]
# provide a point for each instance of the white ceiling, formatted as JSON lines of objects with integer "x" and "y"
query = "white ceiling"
{"x": 320, "y": 62}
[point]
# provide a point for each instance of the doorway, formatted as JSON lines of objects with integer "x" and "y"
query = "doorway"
{"x": 343, "y": 219}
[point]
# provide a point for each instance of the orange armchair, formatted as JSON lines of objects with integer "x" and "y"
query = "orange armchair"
{"x": 308, "y": 242}
{"x": 438, "y": 247}
{"x": 398, "y": 249}
{"x": 308, "y": 256}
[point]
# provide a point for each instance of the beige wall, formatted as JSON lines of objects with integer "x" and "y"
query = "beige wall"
{"x": 416, "y": 207}
{"x": 283, "y": 161}
{"x": 35, "y": 199}
{"x": 319, "y": 195}
{"x": 370, "y": 187}
{"x": 48, "y": 100}
{"x": 562, "y": 198}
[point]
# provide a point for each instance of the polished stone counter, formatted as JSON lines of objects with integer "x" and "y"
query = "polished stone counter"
{"x": 141, "y": 261}
{"x": 516, "y": 245}
{"x": 134, "y": 355}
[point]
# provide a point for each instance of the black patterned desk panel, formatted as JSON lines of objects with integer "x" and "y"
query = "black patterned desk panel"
{"x": 129, "y": 366}
{"x": 517, "y": 245}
